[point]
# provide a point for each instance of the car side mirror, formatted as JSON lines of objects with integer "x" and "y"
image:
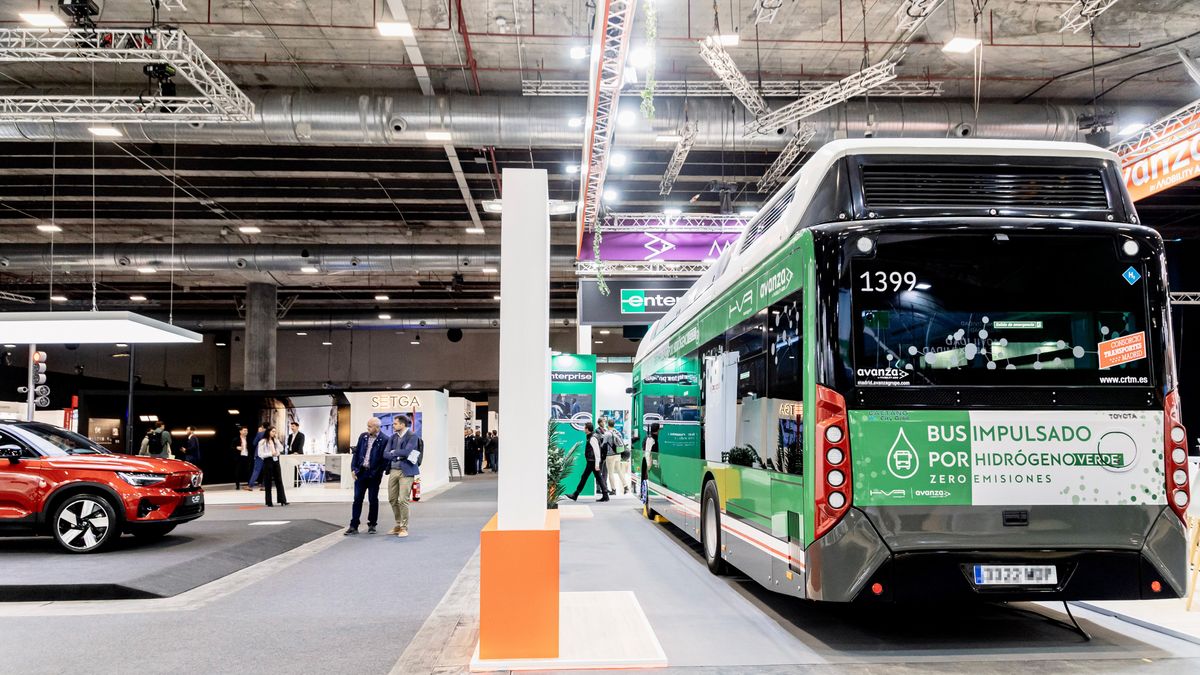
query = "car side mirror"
{"x": 11, "y": 452}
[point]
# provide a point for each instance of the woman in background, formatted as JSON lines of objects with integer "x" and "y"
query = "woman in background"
{"x": 241, "y": 458}
{"x": 269, "y": 449}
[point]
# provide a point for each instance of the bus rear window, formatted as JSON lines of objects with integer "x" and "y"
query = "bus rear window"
{"x": 991, "y": 310}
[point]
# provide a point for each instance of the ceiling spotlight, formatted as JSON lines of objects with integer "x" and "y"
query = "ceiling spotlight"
{"x": 626, "y": 118}
{"x": 1127, "y": 130}
{"x": 668, "y": 138}
{"x": 301, "y": 333}
{"x": 445, "y": 136}
{"x": 495, "y": 297}
{"x": 249, "y": 229}
{"x": 48, "y": 227}
{"x": 611, "y": 195}
{"x": 385, "y": 317}
{"x": 572, "y": 168}
{"x": 220, "y": 344}
{"x": 9, "y": 346}
{"x": 489, "y": 270}
{"x": 105, "y": 132}
{"x": 641, "y": 57}
{"x": 121, "y": 344}
{"x": 309, "y": 269}
{"x": 961, "y": 45}
{"x": 579, "y": 52}
{"x": 672, "y": 210}
{"x": 606, "y": 332}
{"x": 575, "y": 122}
{"x": 233, "y": 411}
{"x": 42, "y": 19}
{"x": 493, "y": 206}
{"x": 726, "y": 40}
{"x": 58, "y": 298}
{"x": 382, "y": 298}
{"x": 137, "y": 298}
{"x": 395, "y": 28}
{"x": 146, "y": 270}
{"x": 474, "y": 230}
{"x": 599, "y": 342}
{"x": 327, "y": 344}
{"x": 618, "y": 160}
{"x": 407, "y": 385}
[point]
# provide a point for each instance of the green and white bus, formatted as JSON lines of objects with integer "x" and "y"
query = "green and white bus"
{"x": 927, "y": 370}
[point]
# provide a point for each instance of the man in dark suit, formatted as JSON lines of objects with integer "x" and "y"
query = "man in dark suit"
{"x": 368, "y": 466}
{"x": 296, "y": 444}
{"x": 192, "y": 447}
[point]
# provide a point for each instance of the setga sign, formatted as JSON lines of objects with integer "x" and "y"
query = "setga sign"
{"x": 396, "y": 402}
{"x": 1174, "y": 164}
{"x": 649, "y": 301}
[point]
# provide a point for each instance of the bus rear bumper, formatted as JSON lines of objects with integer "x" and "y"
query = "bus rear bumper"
{"x": 1157, "y": 570}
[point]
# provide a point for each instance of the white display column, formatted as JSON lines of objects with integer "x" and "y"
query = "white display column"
{"x": 583, "y": 339}
{"x": 524, "y": 348}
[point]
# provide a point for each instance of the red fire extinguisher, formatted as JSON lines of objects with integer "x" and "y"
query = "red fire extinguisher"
{"x": 416, "y": 489}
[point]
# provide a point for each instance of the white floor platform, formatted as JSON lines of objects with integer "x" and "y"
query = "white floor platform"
{"x": 575, "y": 511}
{"x": 1166, "y": 616}
{"x": 597, "y": 629}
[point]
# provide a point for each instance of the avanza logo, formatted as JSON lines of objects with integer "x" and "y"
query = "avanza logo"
{"x": 776, "y": 283}
{"x": 882, "y": 373}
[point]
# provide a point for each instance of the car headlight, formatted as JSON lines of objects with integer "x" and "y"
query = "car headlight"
{"x": 142, "y": 479}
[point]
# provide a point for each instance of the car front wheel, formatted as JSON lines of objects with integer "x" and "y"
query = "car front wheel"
{"x": 85, "y": 523}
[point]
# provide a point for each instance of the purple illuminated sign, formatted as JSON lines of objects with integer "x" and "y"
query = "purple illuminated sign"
{"x": 665, "y": 246}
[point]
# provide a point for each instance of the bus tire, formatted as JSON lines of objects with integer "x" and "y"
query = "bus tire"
{"x": 644, "y": 493}
{"x": 710, "y": 529}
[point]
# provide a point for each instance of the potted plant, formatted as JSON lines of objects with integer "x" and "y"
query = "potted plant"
{"x": 558, "y": 464}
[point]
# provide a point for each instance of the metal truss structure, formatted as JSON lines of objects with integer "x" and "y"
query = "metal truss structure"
{"x": 658, "y": 222}
{"x": 16, "y": 297}
{"x": 1154, "y": 137}
{"x": 769, "y": 88}
{"x": 765, "y": 10}
{"x": 610, "y": 43}
{"x": 218, "y": 100}
{"x": 1185, "y": 298}
{"x": 847, "y": 88}
{"x": 728, "y": 73}
{"x": 687, "y": 138}
{"x": 1081, "y": 14}
{"x": 611, "y": 268}
{"x": 781, "y": 169}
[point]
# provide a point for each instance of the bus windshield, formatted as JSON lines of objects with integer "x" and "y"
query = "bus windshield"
{"x": 1026, "y": 309}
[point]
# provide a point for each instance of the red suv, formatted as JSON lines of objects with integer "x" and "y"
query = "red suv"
{"x": 58, "y": 483}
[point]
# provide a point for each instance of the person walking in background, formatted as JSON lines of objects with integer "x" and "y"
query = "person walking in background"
{"x": 477, "y": 443}
{"x": 258, "y": 462}
{"x": 468, "y": 452}
{"x": 241, "y": 457}
{"x": 191, "y": 447}
{"x": 624, "y": 457}
{"x": 296, "y": 442}
{"x": 593, "y": 459}
{"x": 612, "y": 457}
{"x": 269, "y": 448}
{"x": 493, "y": 451}
{"x": 158, "y": 441}
{"x": 604, "y": 441}
{"x": 403, "y": 455}
{"x": 368, "y": 466}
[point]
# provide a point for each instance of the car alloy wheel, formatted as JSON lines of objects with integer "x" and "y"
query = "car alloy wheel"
{"x": 84, "y": 524}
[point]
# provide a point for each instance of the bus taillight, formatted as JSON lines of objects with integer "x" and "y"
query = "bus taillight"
{"x": 833, "y": 475}
{"x": 1178, "y": 492}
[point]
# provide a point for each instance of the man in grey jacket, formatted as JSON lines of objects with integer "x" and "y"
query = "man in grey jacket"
{"x": 402, "y": 455}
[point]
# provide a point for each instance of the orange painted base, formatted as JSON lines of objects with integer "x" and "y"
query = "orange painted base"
{"x": 518, "y": 591}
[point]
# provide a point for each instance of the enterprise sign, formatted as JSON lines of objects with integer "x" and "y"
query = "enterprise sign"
{"x": 631, "y": 301}
{"x": 571, "y": 376}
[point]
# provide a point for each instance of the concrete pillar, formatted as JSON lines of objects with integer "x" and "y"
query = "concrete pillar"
{"x": 258, "y": 349}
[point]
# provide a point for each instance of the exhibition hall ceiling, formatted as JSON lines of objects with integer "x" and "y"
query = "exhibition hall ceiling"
{"x": 314, "y": 172}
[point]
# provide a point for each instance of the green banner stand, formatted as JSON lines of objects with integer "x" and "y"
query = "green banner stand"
{"x": 573, "y": 404}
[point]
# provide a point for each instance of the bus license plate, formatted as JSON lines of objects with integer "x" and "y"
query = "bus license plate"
{"x": 1016, "y": 575}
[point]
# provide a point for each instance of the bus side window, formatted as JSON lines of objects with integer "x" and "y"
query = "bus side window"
{"x": 785, "y": 379}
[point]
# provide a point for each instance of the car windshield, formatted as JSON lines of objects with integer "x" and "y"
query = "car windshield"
{"x": 62, "y": 439}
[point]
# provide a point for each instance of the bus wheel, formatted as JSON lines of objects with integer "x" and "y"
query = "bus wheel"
{"x": 710, "y": 529}
{"x": 644, "y": 493}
